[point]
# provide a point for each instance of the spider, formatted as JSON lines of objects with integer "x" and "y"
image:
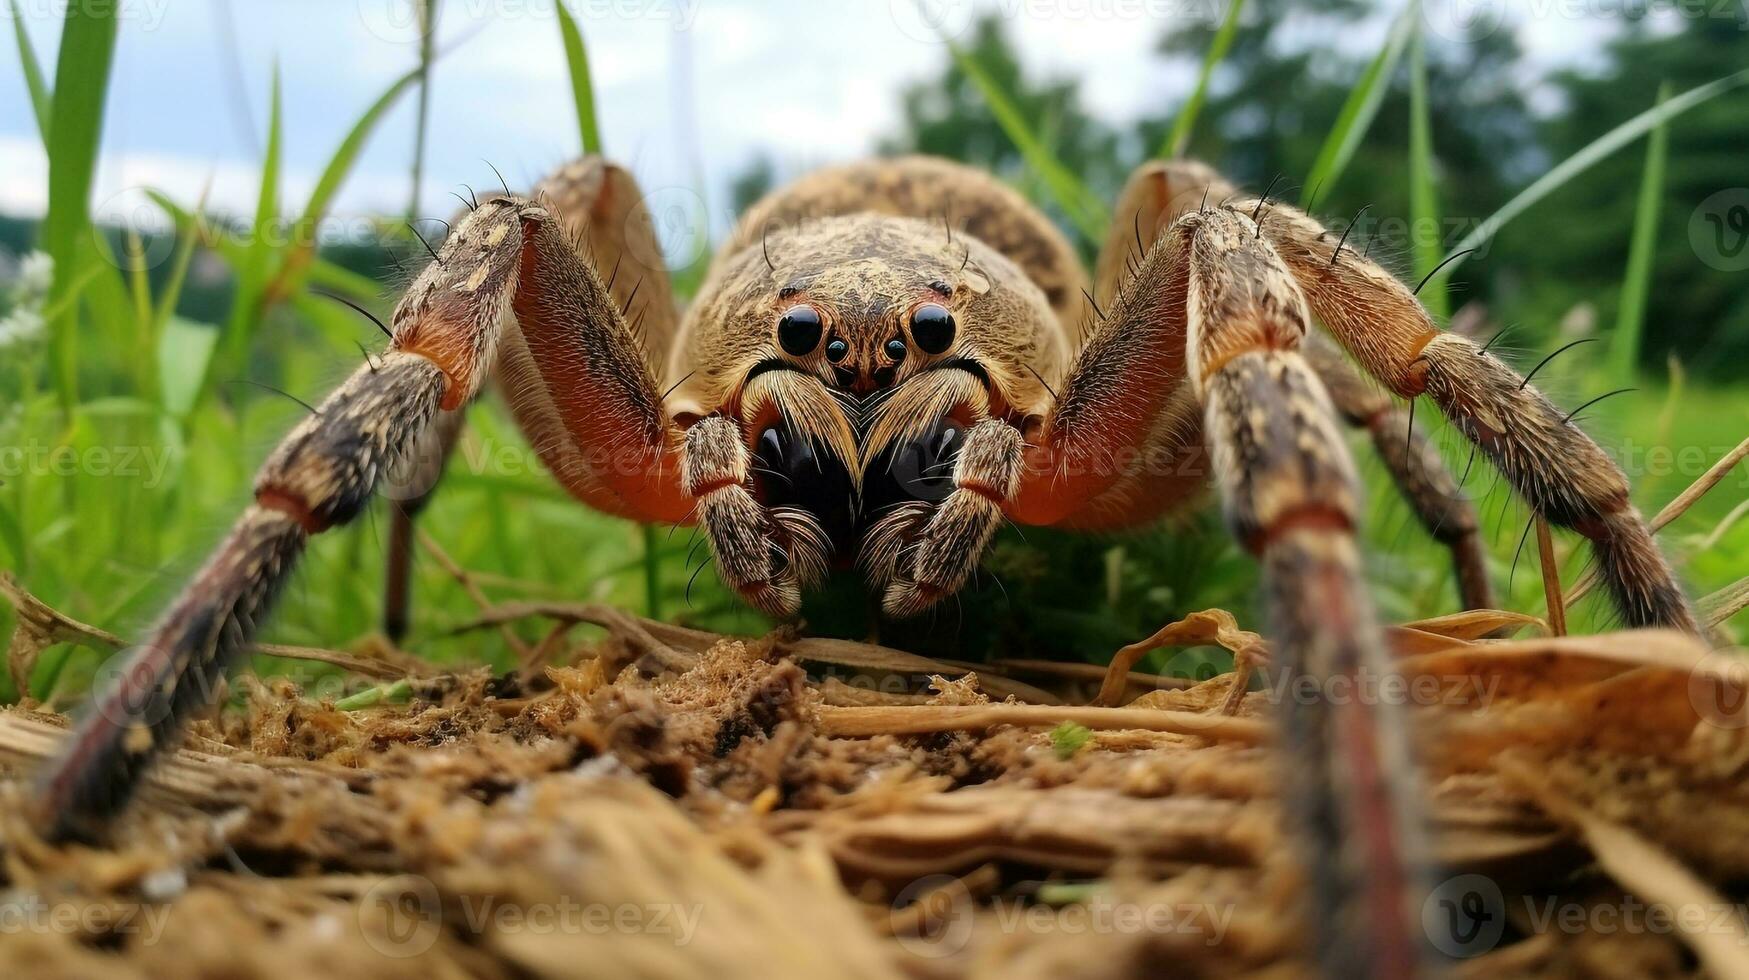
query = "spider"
{"x": 863, "y": 382}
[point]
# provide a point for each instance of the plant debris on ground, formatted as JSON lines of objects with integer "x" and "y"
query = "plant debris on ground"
{"x": 667, "y": 802}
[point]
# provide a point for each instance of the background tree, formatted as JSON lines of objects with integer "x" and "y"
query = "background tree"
{"x": 947, "y": 116}
{"x": 1579, "y": 248}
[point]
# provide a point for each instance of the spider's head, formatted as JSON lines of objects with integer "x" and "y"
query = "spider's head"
{"x": 858, "y": 411}
{"x": 856, "y": 353}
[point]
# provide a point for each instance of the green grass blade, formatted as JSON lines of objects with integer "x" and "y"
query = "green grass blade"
{"x": 12, "y": 536}
{"x": 140, "y": 294}
{"x": 267, "y": 201}
{"x": 81, "y": 85}
{"x": 1079, "y": 204}
{"x": 184, "y": 350}
{"x": 1624, "y": 346}
{"x": 186, "y": 238}
{"x": 339, "y": 279}
{"x": 652, "y": 573}
{"x": 1179, "y": 137}
{"x": 303, "y": 239}
{"x": 33, "y": 73}
{"x": 1594, "y": 151}
{"x": 1359, "y": 109}
{"x": 252, "y": 269}
{"x": 1423, "y": 197}
{"x": 577, "y": 56}
{"x": 422, "y": 116}
{"x": 321, "y": 272}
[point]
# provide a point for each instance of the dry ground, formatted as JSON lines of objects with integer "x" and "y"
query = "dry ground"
{"x": 672, "y": 803}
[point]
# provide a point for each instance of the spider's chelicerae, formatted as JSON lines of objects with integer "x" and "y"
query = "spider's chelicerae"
{"x": 857, "y": 383}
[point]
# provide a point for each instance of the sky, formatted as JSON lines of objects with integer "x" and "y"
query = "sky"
{"x": 687, "y": 89}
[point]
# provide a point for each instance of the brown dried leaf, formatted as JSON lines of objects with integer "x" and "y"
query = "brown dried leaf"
{"x": 1211, "y": 626}
{"x": 1474, "y": 624}
{"x": 921, "y": 719}
{"x": 1645, "y": 870}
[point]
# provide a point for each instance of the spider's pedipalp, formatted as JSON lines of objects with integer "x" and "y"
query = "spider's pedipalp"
{"x": 766, "y": 556}
{"x": 950, "y": 542}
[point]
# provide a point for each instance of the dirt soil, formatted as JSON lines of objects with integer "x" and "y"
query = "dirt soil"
{"x": 667, "y": 803}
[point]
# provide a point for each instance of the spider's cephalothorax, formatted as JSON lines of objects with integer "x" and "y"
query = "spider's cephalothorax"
{"x": 888, "y": 360}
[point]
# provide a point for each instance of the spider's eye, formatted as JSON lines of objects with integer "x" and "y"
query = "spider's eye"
{"x": 895, "y": 350}
{"x": 932, "y": 328}
{"x": 836, "y": 350}
{"x": 799, "y": 330}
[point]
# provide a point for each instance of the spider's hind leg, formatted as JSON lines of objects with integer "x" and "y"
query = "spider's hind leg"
{"x": 1415, "y": 465}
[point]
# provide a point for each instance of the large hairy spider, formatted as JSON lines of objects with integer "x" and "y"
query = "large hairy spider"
{"x": 858, "y": 384}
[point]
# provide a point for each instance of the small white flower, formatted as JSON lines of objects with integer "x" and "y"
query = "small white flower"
{"x": 21, "y": 326}
{"x": 35, "y": 273}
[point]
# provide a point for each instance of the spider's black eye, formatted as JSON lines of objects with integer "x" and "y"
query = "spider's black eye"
{"x": 932, "y": 328}
{"x": 836, "y": 350}
{"x": 895, "y": 350}
{"x": 799, "y": 330}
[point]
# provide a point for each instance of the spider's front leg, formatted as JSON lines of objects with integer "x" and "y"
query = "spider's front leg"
{"x": 507, "y": 276}
{"x": 1211, "y": 318}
